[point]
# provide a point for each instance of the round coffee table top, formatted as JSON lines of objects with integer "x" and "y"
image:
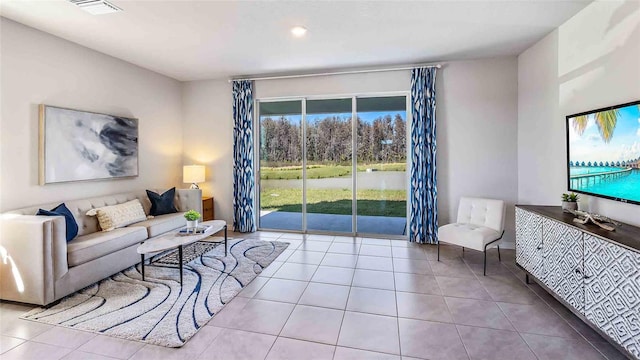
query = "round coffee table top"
{"x": 173, "y": 239}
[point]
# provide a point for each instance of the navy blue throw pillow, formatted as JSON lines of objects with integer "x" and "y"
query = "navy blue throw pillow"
{"x": 162, "y": 204}
{"x": 70, "y": 221}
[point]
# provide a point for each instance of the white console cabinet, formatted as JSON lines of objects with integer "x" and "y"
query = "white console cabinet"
{"x": 595, "y": 273}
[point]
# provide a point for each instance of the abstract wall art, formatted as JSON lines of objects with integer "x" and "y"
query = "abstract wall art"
{"x": 79, "y": 145}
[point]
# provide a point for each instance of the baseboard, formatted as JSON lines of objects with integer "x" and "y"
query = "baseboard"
{"x": 508, "y": 245}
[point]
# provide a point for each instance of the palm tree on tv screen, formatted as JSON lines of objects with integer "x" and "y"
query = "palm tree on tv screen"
{"x": 606, "y": 121}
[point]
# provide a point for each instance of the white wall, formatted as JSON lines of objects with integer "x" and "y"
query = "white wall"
{"x": 335, "y": 85}
{"x": 38, "y": 68}
{"x": 476, "y": 114}
{"x": 477, "y": 130}
{"x": 589, "y": 62}
{"x": 208, "y": 139}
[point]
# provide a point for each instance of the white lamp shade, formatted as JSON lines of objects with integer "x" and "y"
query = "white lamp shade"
{"x": 193, "y": 174}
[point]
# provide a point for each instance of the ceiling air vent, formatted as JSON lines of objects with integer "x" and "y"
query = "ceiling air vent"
{"x": 96, "y": 7}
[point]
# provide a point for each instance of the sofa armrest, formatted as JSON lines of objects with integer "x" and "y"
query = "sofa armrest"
{"x": 187, "y": 199}
{"x": 33, "y": 255}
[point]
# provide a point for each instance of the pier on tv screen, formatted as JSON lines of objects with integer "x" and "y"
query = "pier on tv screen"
{"x": 604, "y": 152}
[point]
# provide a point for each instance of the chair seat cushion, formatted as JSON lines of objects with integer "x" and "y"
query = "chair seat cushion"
{"x": 162, "y": 223}
{"x": 468, "y": 235}
{"x": 95, "y": 245}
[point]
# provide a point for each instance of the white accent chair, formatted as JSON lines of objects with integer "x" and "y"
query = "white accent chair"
{"x": 480, "y": 225}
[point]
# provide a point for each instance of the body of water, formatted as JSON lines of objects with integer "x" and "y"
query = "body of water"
{"x": 626, "y": 186}
{"x": 592, "y": 169}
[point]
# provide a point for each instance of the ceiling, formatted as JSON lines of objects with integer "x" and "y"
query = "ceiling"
{"x": 194, "y": 40}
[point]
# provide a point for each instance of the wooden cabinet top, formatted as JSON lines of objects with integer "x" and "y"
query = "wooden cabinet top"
{"x": 625, "y": 234}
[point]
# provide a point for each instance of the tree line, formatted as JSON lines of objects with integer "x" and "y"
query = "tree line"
{"x": 328, "y": 140}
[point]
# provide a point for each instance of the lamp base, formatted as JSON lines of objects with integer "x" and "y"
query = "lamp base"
{"x": 194, "y": 186}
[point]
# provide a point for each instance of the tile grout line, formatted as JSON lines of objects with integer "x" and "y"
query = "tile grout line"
{"x": 561, "y": 317}
{"x": 454, "y": 324}
{"x": 558, "y": 314}
{"x": 295, "y": 305}
{"x": 395, "y": 295}
{"x": 503, "y": 313}
{"x": 251, "y": 298}
{"x": 288, "y": 317}
{"x": 344, "y": 312}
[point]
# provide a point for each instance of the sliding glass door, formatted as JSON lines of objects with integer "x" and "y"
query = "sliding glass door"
{"x": 329, "y": 162}
{"x": 280, "y": 170}
{"x": 334, "y": 165}
{"x": 382, "y": 165}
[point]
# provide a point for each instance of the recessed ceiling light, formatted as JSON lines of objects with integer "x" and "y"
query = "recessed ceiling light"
{"x": 298, "y": 31}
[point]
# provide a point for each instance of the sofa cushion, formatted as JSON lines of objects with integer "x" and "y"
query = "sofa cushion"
{"x": 162, "y": 203}
{"x": 117, "y": 216}
{"x": 95, "y": 245}
{"x": 162, "y": 223}
{"x": 71, "y": 226}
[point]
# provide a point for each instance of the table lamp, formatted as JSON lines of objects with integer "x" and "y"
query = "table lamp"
{"x": 193, "y": 174}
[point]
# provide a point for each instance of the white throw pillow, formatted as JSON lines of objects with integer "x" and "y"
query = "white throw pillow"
{"x": 117, "y": 216}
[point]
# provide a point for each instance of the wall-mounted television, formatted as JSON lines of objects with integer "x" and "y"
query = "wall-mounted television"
{"x": 603, "y": 152}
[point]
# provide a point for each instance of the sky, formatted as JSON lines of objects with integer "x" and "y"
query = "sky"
{"x": 624, "y": 145}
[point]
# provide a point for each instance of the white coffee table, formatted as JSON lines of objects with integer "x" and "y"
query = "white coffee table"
{"x": 174, "y": 240}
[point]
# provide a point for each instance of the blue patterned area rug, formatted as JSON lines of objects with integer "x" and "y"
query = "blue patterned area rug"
{"x": 158, "y": 310}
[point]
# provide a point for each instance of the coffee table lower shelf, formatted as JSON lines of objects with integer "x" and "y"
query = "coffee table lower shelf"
{"x": 180, "y": 243}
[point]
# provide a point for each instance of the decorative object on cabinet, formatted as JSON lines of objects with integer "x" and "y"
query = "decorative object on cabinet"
{"x": 80, "y": 145}
{"x": 570, "y": 202}
{"x": 583, "y": 217}
{"x": 193, "y": 174}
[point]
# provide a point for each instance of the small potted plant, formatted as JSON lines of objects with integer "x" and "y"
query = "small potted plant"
{"x": 570, "y": 202}
{"x": 192, "y": 217}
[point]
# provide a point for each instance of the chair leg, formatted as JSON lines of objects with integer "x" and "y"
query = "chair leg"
{"x": 463, "y": 251}
{"x": 438, "y": 250}
{"x": 485, "y": 264}
{"x": 499, "y": 258}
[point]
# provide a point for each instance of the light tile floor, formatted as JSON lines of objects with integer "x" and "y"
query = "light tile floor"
{"x": 341, "y": 298}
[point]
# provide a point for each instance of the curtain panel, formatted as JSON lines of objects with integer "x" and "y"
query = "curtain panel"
{"x": 423, "y": 213}
{"x": 243, "y": 172}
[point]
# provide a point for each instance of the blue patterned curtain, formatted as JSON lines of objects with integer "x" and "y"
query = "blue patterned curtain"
{"x": 423, "y": 213}
{"x": 243, "y": 179}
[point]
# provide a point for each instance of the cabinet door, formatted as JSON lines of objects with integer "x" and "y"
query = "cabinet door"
{"x": 612, "y": 291}
{"x": 207, "y": 209}
{"x": 529, "y": 242}
{"x": 563, "y": 265}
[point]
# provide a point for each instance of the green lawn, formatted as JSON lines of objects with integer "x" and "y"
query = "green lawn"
{"x": 322, "y": 171}
{"x": 336, "y": 201}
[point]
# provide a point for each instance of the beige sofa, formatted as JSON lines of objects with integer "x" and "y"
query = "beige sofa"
{"x": 38, "y": 266}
